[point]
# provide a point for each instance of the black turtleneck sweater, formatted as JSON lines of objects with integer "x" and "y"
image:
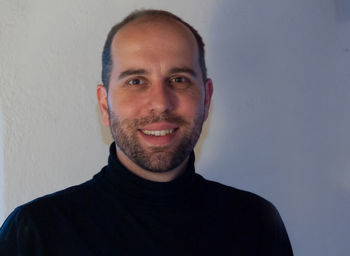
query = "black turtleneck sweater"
{"x": 119, "y": 213}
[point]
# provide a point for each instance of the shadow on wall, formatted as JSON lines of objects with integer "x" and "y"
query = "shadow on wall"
{"x": 204, "y": 134}
{"x": 343, "y": 10}
{"x": 281, "y": 90}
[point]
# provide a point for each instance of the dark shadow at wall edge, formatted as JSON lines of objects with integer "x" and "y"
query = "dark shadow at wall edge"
{"x": 342, "y": 8}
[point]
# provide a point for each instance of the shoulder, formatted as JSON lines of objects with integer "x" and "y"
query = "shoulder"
{"x": 49, "y": 211}
{"x": 230, "y": 201}
{"x": 59, "y": 203}
{"x": 244, "y": 213}
{"x": 224, "y": 194}
{"x": 43, "y": 220}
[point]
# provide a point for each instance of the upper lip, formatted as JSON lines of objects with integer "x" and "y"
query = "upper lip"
{"x": 159, "y": 126}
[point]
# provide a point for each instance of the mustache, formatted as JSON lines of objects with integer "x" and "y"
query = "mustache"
{"x": 142, "y": 121}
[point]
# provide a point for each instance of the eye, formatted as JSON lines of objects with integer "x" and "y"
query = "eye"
{"x": 179, "y": 79}
{"x": 180, "y": 82}
{"x": 135, "y": 81}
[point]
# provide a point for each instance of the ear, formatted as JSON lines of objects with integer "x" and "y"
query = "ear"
{"x": 103, "y": 103}
{"x": 208, "y": 93}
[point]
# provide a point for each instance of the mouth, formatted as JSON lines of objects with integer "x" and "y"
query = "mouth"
{"x": 158, "y": 133}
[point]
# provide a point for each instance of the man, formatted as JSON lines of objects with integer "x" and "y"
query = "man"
{"x": 148, "y": 200}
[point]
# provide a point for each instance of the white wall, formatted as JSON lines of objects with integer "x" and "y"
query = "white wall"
{"x": 279, "y": 124}
{"x": 2, "y": 179}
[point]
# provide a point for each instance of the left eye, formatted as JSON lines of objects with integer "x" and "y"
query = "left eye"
{"x": 179, "y": 79}
{"x": 135, "y": 81}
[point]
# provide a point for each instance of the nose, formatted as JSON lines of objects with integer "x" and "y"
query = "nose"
{"x": 161, "y": 98}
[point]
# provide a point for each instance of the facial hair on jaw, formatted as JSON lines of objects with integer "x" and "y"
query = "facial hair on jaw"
{"x": 157, "y": 158}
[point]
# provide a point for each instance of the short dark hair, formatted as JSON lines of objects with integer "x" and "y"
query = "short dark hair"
{"x": 107, "y": 55}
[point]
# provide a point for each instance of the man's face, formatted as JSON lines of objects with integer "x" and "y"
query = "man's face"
{"x": 157, "y": 100}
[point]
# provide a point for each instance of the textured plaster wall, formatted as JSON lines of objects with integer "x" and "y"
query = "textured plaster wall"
{"x": 2, "y": 180}
{"x": 279, "y": 124}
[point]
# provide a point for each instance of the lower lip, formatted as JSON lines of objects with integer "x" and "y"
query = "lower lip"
{"x": 159, "y": 141}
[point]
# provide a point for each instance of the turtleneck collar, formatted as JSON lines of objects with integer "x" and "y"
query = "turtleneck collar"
{"x": 145, "y": 192}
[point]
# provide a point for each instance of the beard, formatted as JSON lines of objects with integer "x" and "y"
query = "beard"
{"x": 156, "y": 158}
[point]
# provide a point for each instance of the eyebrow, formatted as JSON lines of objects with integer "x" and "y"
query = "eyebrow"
{"x": 131, "y": 72}
{"x": 182, "y": 70}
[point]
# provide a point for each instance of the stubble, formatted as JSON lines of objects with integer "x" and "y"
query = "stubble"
{"x": 156, "y": 158}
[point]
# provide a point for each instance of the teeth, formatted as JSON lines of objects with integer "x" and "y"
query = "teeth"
{"x": 158, "y": 133}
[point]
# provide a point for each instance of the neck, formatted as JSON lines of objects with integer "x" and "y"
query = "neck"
{"x": 149, "y": 175}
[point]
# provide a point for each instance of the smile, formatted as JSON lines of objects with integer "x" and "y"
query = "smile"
{"x": 158, "y": 133}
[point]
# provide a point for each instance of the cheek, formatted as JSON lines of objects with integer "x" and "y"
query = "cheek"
{"x": 192, "y": 105}
{"x": 124, "y": 107}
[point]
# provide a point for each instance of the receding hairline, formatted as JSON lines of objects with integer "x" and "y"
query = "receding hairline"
{"x": 155, "y": 18}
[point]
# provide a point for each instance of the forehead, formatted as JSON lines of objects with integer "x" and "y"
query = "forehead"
{"x": 162, "y": 38}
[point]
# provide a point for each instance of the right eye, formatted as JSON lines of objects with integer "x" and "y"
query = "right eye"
{"x": 135, "y": 81}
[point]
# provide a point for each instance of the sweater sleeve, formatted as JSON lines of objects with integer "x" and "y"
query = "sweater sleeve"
{"x": 19, "y": 235}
